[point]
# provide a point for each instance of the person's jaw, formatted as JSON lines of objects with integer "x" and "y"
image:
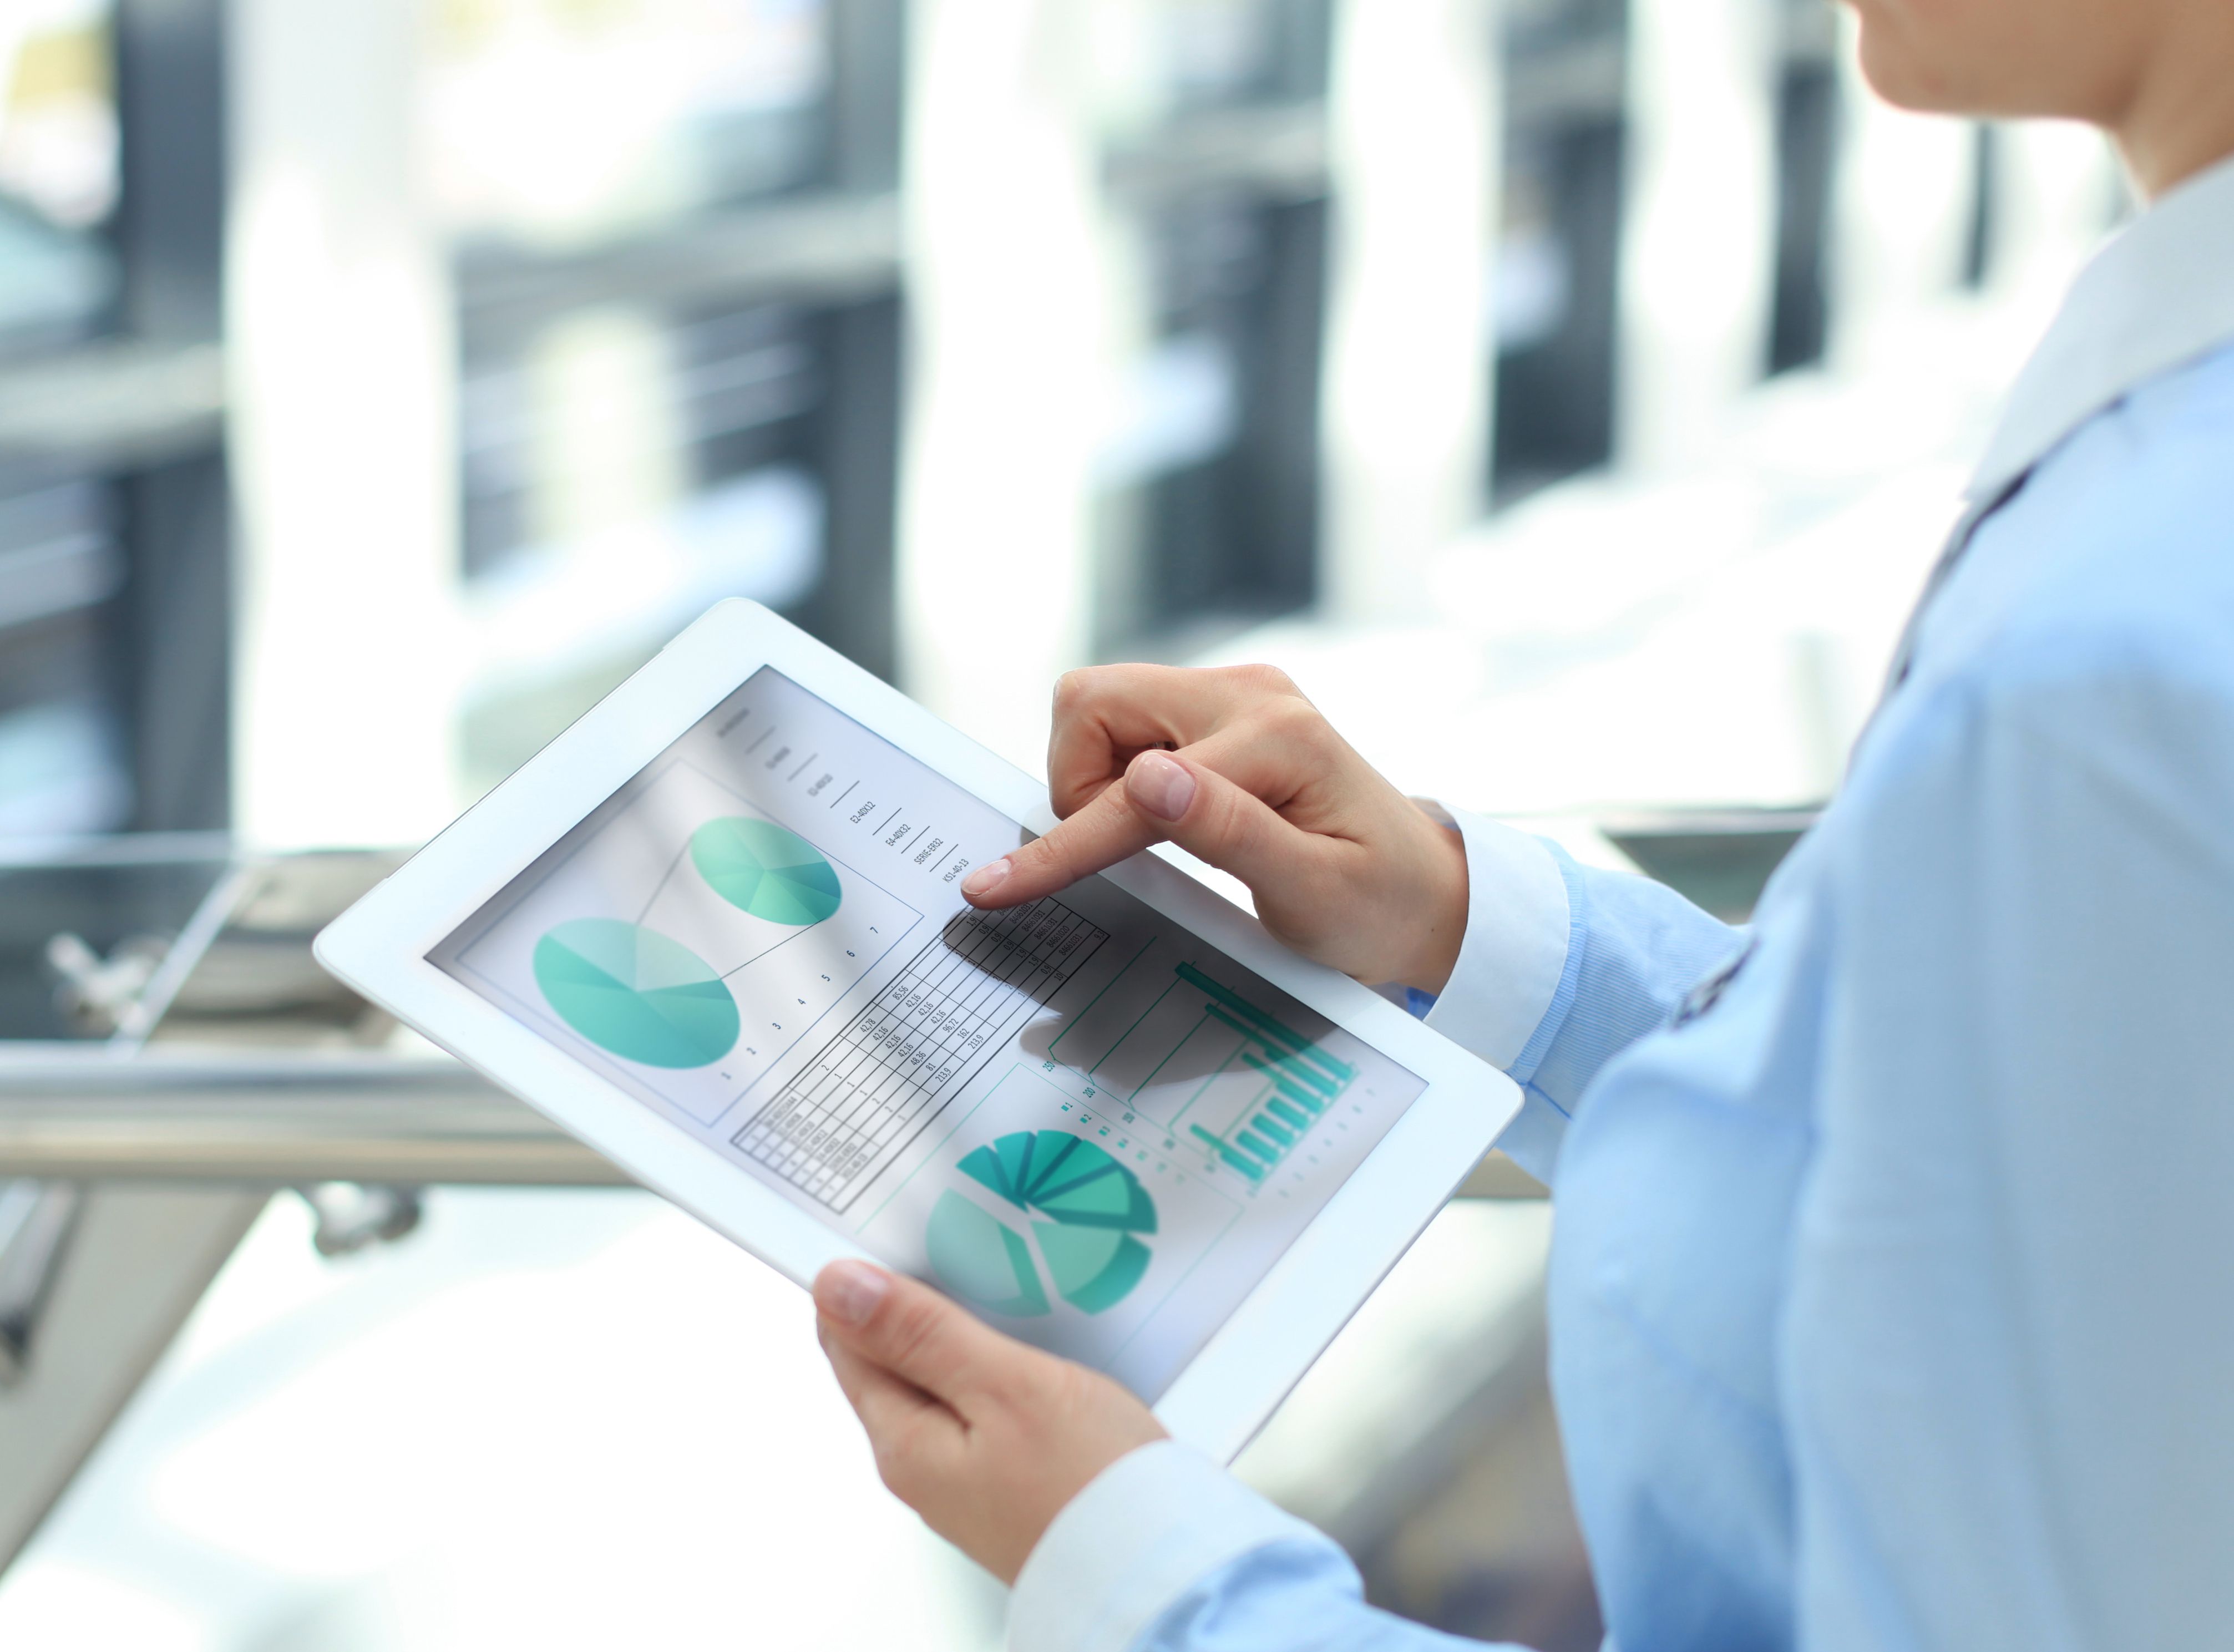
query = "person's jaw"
{"x": 2151, "y": 74}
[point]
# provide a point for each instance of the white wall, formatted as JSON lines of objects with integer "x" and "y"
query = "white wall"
{"x": 1698, "y": 247}
{"x": 1008, "y": 376}
{"x": 1416, "y": 127}
{"x": 345, "y": 460}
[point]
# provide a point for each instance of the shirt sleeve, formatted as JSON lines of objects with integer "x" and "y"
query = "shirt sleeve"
{"x": 1563, "y": 966}
{"x": 1166, "y": 1552}
{"x": 2009, "y": 1336}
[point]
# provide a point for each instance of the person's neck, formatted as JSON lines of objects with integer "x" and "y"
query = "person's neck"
{"x": 2180, "y": 119}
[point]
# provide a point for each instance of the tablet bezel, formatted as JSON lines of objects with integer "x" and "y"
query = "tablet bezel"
{"x": 380, "y": 948}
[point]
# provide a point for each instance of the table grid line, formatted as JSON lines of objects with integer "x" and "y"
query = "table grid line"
{"x": 884, "y": 1076}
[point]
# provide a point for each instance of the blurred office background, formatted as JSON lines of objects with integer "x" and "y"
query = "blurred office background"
{"x": 1570, "y": 393}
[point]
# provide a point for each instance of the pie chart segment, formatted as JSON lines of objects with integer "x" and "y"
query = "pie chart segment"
{"x": 1088, "y": 1207}
{"x": 984, "y": 1259}
{"x": 760, "y": 868}
{"x": 1093, "y": 1268}
{"x": 633, "y": 992}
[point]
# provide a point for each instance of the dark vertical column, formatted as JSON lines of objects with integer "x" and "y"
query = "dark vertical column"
{"x": 853, "y": 606}
{"x": 170, "y": 219}
{"x": 170, "y": 631}
{"x": 856, "y": 440}
{"x": 1985, "y": 192}
{"x": 1806, "y": 157}
{"x": 1276, "y": 462}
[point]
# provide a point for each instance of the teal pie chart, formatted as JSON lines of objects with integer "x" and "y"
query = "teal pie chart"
{"x": 760, "y": 868}
{"x": 1089, "y": 1208}
{"x": 633, "y": 992}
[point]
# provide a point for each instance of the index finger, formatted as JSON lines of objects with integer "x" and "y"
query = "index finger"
{"x": 1106, "y": 716}
{"x": 1108, "y": 830}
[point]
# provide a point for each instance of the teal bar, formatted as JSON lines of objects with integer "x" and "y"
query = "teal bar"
{"x": 1283, "y": 1068}
{"x": 1287, "y": 1035}
{"x": 1231, "y": 1156}
{"x": 1268, "y": 1125}
{"x": 1257, "y": 1144}
{"x": 1289, "y": 1111}
{"x": 1295, "y": 1091}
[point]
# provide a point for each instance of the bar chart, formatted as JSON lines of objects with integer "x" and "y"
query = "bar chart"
{"x": 1238, "y": 1083}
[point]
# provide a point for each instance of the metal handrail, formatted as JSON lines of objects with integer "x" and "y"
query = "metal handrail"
{"x": 284, "y": 1120}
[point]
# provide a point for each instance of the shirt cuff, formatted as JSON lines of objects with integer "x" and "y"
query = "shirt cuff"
{"x": 1515, "y": 949}
{"x": 1122, "y": 1553}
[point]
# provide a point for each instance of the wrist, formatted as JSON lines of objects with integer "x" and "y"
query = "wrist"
{"x": 1439, "y": 926}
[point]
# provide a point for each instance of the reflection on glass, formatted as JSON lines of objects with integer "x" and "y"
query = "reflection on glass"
{"x": 562, "y": 122}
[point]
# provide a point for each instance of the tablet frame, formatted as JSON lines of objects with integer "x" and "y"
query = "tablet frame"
{"x": 380, "y": 947}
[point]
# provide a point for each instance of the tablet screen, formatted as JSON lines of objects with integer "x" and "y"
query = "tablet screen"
{"x": 1079, "y": 1117}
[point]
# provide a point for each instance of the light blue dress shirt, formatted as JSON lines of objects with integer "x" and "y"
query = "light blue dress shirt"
{"x": 1892, "y": 1298}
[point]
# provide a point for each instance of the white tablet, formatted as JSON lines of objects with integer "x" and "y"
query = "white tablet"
{"x": 715, "y": 931}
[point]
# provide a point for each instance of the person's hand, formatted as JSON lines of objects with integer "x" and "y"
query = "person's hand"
{"x": 1237, "y": 768}
{"x": 983, "y": 1437}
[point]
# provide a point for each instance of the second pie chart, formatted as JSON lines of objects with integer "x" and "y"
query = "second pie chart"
{"x": 760, "y": 868}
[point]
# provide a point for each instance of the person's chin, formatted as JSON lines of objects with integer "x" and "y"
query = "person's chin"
{"x": 1904, "y": 76}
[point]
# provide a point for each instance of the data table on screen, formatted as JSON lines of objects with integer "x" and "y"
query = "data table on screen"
{"x": 873, "y": 1088}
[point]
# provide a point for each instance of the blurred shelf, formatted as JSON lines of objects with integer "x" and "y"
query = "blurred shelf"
{"x": 826, "y": 248}
{"x": 1280, "y": 151}
{"x": 112, "y": 406}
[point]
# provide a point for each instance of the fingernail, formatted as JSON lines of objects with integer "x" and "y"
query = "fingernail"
{"x": 848, "y": 1292}
{"x": 1161, "y": 786}
{"x": 987, "y": 877}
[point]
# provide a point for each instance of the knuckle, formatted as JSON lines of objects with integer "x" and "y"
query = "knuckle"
{"x": 1263, "y": 680}
{"x": 899, "y": 1465}
{"x": 1074, "y": 689}
{"x": 1293, "y": 720}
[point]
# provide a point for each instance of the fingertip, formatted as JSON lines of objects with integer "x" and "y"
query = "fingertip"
{"x": 981, "y": 884}
{"x": 846, "y": 1293}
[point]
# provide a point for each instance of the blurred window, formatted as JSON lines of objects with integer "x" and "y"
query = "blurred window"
{"x": 1557, "y": 279}
{"x": 59, "y": 176}
{"x": 670, "y": 305}
{"x": 562, "y": 122}
{"x": 1220, "y": 53}
{"x": 63, "y": 765}
{"x": 1208, "y": 470}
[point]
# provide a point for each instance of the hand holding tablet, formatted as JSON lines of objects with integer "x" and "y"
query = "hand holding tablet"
{"x": 717, "y": 931}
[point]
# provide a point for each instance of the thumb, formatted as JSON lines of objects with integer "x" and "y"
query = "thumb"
{"x": 909, "y": 1329}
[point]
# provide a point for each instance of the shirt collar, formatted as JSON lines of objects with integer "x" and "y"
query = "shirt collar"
{"x": 2157, "y": 297}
